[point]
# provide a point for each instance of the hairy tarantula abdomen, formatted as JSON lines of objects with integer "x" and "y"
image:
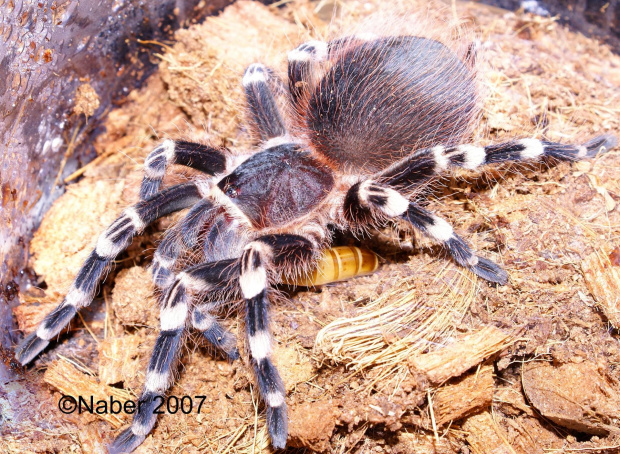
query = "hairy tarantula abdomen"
{"x": 383, "y": 98}
{"x": 278, "y": 185}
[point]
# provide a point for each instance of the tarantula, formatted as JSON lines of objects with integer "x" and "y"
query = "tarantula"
{"x": 372, "y": 120}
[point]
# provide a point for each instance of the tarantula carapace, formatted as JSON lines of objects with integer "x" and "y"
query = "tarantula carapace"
{"x": 372, "y": 119}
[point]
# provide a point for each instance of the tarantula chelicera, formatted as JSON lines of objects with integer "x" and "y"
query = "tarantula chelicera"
{"x": 372, "y": 119}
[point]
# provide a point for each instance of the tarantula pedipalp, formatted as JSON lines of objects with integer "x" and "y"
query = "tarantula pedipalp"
{"x": 373, "y": 119}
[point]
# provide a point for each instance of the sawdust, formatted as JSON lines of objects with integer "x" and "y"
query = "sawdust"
{"x": 541, "y": 222}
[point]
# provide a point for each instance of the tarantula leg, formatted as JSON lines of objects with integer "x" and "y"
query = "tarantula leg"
{"x": 438, "y": 229}
{"x": 214, "y": 332}
{"x": 364, "y": 199}
{"x": 302, "y": 63}
{"x": 253, "y": 282}
{"x": 183, "y": 236}
{"x": 165, "y": 258}
{"x": 173, "y": 316}
{"x": 194, "y": 155}
{"x": 110, "y": 243}
{"x": 278, "y": 251}
{"x": 420, "y": 166}
{"x": 261, "y": 102}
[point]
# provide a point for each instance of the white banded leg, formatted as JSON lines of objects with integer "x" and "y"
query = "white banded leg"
{"x": 220, "y": 276}
{"x": 373, "y": 197}
{"x": 159, "y": 375}
{"x": 207, "y": 159}
{"x": 421, "y": 165}
{"x": 183, "y": 236}
{"x": 165, "y": 259}
{"x": 264, "y": 113}
{"x": 253, "y": 282}
{"x": 112, "y": 242}
{"x": 205, "y": 277}
{"x": 442, "y": 232}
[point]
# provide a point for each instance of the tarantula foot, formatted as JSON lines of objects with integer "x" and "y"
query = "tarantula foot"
{"x": 223, "y": 340}
{"x": 489, "y": 271}
{"x": 464, "y": 256}
{"x": 30, "y": 347}
{"x": 277, "y": 423}
{"x": 126, "y": 442}
{"x": 600, "y": 144}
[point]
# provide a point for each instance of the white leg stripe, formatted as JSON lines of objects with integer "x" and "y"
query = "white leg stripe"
{"x": 156, "y": 382}
{"x": 441, "y": 160}
{"x": 173, "y": 317}
{"x": 168, "y": 146}
{"x": 533, "y": 148}
{"x": 582, "y": 153}
{"x": 319, "y": 54}
{"x": 76, "y": 297}
{"x": 235, "y": 160}
{"x": 142, "y": 430}
{"x": 204, "y": 186}
{"x": 206, "y": 320}
{"x": 474, "y": 156}
{"x": 135, "y": 218}
{"x": 46, "y": 333}
{"x": 440, "y": 230}
{"x": 163, "y": 262}
{"x": 253, "y": 282}
{"x": 363, "y": 191}
{"x": 275, "y": 141}
{"x": 106, "y": 248}
{"x": 260, "y": 346}
{"x": 166, "y": 149}
{"x": 154, "y": 173}
{"x": 255, "y": 73}
{"x": 315, "y": 230}
{"x": 274, "y": 399}
{"x": 263, "y": 249}
{"x": 192, "y": 283}
{"x": 396, "y": 204}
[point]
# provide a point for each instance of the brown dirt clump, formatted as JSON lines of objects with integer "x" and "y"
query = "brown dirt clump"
{"x": 308, "y": 431}
{"x": 86, "y": 100}
{"x": 602, "y": 275}
{"x": 363, "y": 386}
{"x": 575, "y": 396}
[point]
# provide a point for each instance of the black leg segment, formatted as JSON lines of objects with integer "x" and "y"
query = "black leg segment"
{"x": 205, "y": 158}
{"x": 262, "y": 104}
